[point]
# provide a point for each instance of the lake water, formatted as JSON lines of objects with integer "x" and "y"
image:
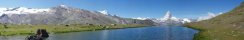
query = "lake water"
{"x": 143, "y": 33}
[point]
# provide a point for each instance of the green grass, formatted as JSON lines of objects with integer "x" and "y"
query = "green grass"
{"x": 217, "y": 32}
{"x": 31, "y": 29}
{"x": 228, "y": 26}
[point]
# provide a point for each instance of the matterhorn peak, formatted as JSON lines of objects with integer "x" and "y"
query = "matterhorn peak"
{"x": 167, "y": 16}
{"x": 168, "y": 19}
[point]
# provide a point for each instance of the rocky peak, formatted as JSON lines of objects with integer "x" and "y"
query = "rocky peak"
{"x": 167, "y": 16}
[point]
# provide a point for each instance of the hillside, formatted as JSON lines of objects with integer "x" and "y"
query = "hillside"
{"x": 228, "y": 26}
{"x": 61, "y": 14}
{"x": 61, "y": 19}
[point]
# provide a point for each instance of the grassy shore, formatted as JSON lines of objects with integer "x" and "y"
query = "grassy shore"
{"x": 216, "y": 32}
{"x": 200, "y": 35}
{"x": 8, "y": 30}
{"x": 227, "y": 26}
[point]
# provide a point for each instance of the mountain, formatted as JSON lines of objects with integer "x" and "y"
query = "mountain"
{"x": 105, "y": 12}
{"x": 21, "y": 10}
{"x": 227, "y": 26}
{"x": 169, "y": 19}
{"x": 141, "y": 18}
{"x": 186, "y": 20}
{"x": 62, "y": 14}
{"x": 167, "y": 16}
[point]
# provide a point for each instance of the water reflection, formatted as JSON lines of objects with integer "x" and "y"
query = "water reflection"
{"x": 145, "y": 33}
{"x": 104, "y": 35}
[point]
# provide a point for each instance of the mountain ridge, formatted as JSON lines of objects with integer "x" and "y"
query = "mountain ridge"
{"x": 63, "y": 14}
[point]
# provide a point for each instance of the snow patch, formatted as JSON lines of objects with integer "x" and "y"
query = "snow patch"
{"x": 141, "y": 18}
{"x": 105, "y": 12}
{"x": 21, "y": 10}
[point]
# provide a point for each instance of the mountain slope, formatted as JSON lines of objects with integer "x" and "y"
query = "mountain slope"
{"x": 227, "y": 26}
{"x": 60, "y": 15}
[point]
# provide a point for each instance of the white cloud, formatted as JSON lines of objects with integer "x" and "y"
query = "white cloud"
{"x": 209, "y": 16}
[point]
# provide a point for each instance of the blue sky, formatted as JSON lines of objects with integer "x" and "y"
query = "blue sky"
{"x": 136, "y": 8}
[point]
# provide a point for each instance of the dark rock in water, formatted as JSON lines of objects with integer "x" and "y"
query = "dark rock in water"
{"x": 40, "y": 35}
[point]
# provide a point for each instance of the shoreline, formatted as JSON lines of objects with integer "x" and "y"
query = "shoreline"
{"x": 56, "y": 29}
{"x": 199, "y": 35}
{"x": 216, "y": 33}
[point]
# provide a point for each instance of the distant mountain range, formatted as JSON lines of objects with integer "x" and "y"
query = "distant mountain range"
{"x": 63, "y": 14}
{"x": 169, "y": 19}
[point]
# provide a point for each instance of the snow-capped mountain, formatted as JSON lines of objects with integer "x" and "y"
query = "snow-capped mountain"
{"x": 167, "y": 16}
{"x": 186, "y": 20}
{"x": 209, "y": 16}
{"x": 105, "y": 12}
{"x": 141, "y": 18}
{"x": 62, "y": 14}
{"x": 21, "y": 10}
{"x": 168, "y": 19}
